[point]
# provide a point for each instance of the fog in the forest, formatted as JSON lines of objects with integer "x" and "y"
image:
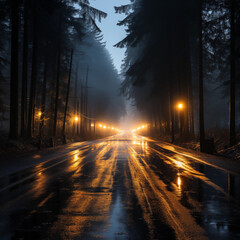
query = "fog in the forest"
{"x": 161, "y": 66}
{"x": 105, "y": 102}
{"x": 57, "y": 66}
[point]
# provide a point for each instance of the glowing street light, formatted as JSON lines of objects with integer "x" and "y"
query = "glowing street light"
{"x": 39, "y": 114}
{"x": 92, "y": 124}
{"x": 180, "y": 106}
{"x": 76, "y": 119}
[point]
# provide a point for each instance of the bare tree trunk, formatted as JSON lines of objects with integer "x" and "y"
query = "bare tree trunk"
{"x": 34, "y": 76}
{"x": 188, "y": 90}
{"x": 52, "y": 100}
{"x": 201, "y": 101}
{"x": 24, "y": 73}
{"x": 67, "y": 97}
{"x": 13, "y": 130}
{"x": 232, "y": 130}
{"x": 82, "y": 113}
{"x": 58, "y": 75}
{"x": 171, "y": 90}
{"x": 86, "y": 102}
{"x": 44, "y": 85}
{"x": 191, "y": 110}
{"x": 79, "y": 117}
{"x": 75, "y": 127}
{"x": 57, "y": 92}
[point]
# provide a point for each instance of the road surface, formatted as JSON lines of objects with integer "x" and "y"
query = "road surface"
{"x": 122, "y": 187}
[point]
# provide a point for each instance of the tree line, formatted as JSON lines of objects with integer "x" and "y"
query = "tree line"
{"x": 174, "y": 50}
{"x": 44, "y": 39}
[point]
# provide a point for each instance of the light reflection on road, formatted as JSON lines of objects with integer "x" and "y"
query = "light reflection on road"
{"x": 124, "y": 187}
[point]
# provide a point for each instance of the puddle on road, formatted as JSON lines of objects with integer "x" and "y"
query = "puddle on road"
{"x": 211, "y": 195}
{"x": 117, "y": 229}
{"x": 123, "y": 217}
{"x": 40, "y": 198}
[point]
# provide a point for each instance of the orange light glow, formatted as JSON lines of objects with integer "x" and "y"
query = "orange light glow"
{"x": 76, "y": 119}
{"x": 180, "y": 106}
{"x": 179, "y": 182}
{"x": 100, "y": 125}
{"x": 40, "y": 114}
{"x": 104, "y": 127}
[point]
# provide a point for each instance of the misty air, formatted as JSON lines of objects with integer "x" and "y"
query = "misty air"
{"x": 119, "y": 119}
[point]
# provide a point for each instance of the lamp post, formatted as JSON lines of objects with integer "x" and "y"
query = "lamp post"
{"x": 93, "y": 127}
{"x": 180, "y": 108}
{"x": 75, "y": 122}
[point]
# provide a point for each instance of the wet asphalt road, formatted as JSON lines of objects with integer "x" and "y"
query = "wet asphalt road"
{"x": 123, "y": 187}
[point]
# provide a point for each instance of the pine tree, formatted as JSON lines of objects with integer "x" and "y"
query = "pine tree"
{"x": 13, "y": 132}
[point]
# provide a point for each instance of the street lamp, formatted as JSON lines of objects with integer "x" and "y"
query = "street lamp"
{"x": 180, "y": 106}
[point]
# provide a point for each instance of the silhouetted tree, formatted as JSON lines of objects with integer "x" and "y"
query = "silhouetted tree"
{"x": 201, "y": 101}
{"x": 13, "y": 132}
{"x": 232, "y": 130}
{"x": 24, "y": 71}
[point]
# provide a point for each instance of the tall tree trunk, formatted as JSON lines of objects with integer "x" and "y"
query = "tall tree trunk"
{"x": 24, "y": 72}
{"x": 171, "y": 92}
{"x": 58, "y": 76}
{"x": 32, "y": 101}
{"x": 86, "y": 102}
{"x": 232, "y": 131}
{"x": 44, "y": 85}
{"x": 57, "y": 92}
{"x": 52, "y": 99}
{"x": 82, "y": 113}
{"x": 75, "y": 127}
{"x": 79, "y": 117}
{"x": 13, "y": 130}
{"x": 188, "y": 91}
{"x": 191, "y": 110}
{"x": 67, "y": 97}
{"x": 201, "y": 101}
{"x": 185, "y": 94}
{"x": 184, "y": 74}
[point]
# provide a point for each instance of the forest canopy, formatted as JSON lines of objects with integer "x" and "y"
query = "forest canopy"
{"x": 183, "y": 51}
{"x": 54, "y": 66}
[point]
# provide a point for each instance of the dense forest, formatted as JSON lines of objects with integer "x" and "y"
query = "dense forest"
{"x": 58, "y": 79}
{"x": 54, "y": 70}
{"x": 184, "y": 52}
